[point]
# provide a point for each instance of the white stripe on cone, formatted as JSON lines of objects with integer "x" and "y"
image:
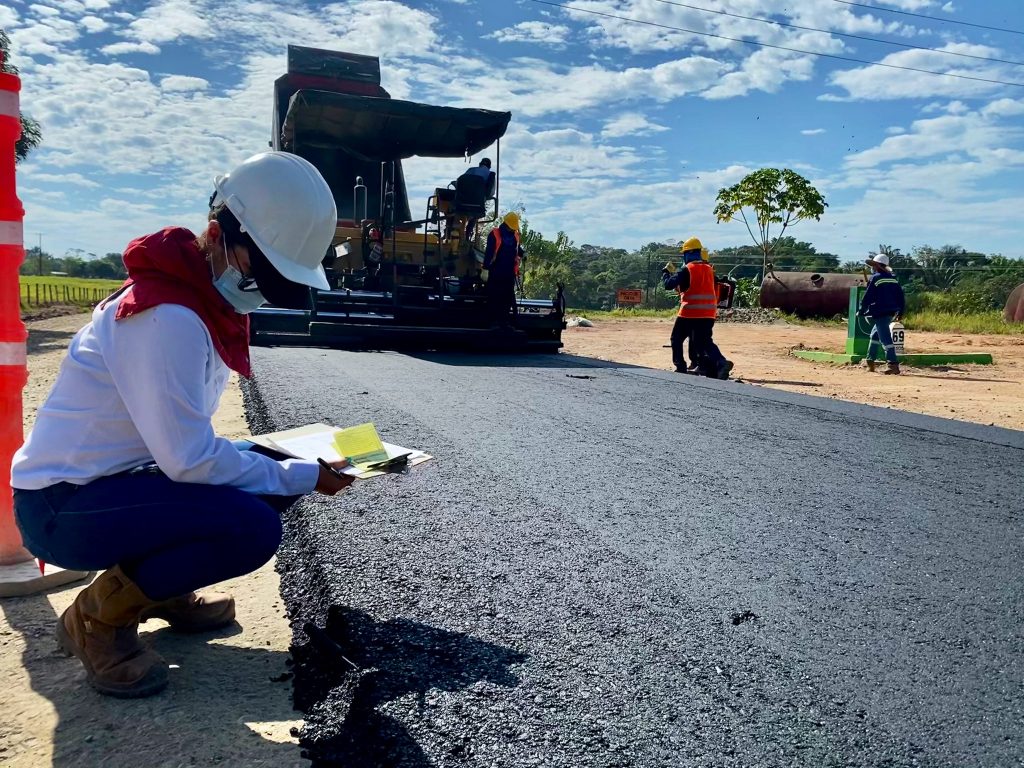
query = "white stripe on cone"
{"x": 9, "y": 104}
{"x": 12, "y": 233}
{"x": 13, "y": 353}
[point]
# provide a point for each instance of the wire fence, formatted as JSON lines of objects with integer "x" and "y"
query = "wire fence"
{"x": 49, "y": 294}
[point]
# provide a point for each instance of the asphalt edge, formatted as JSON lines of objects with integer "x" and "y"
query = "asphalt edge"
{"x": 1002, "y": 436}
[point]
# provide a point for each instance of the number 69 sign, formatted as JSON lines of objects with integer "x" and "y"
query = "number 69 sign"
{"x": 899, "y": 336}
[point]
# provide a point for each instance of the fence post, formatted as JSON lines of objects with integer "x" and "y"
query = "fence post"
{"x": 19, "y": 572}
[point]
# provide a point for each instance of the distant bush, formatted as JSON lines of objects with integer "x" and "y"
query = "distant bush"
{"x": 959, "y": 322}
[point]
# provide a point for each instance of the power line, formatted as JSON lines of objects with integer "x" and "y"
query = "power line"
{"x": 779, "y": 47}
{"x": 843, "y": 34}
{"x": 932, "y": 18}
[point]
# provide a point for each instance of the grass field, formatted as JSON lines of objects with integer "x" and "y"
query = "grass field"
{"x": 55, "y": 289}
{"x": 924, "y": 320}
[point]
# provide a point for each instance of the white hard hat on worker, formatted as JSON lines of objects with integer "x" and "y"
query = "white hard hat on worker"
{"x": 879, "y": 260}
{"x": 284, "y": 208}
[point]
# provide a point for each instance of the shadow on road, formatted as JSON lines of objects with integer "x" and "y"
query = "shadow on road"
{"x": 201, "y": 719}
{"x": 781, "y": 382}
{"x": 343, "y": 725}
{"x": 525, "y": 360}
{"x": 914, "y": 374}
{"x": 41, "y": 340}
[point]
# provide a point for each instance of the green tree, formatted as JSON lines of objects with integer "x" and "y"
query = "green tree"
{"x": 789, "y": 254}
{"x": 31, "y": 134}
{"x": 31, "y": 264}
{"x": 776, "y": 198}
{"x": 547, "y": 263}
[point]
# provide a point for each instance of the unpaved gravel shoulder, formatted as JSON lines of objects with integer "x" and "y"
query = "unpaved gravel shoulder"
{"x": 229, "y": 698}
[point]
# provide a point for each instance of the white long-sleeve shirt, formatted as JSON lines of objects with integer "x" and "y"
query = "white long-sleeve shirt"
{"x": 144, "y": 389}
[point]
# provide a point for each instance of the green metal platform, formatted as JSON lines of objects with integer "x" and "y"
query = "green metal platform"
{"x": 858, "y": 332}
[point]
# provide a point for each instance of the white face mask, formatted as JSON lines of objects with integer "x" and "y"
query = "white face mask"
{"x": 243, "y": 301}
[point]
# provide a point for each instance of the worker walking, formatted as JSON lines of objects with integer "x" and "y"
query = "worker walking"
{"x": 123, "y": 472}
{"x": 501, "y": 261}
{"x": 698, "y": 308}
{"x": 883, "y": 302}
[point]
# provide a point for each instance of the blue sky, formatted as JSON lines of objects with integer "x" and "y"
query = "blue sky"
{"x": 622, "y": 132}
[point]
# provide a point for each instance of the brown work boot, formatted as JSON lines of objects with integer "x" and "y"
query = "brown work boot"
{"x": 870, "y": 365}
{"x": 101, "y": 629}
{"x": 892, "y": 369}
{"x": 194, "y": 613}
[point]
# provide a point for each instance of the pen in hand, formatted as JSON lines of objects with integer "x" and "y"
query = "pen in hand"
{"x": 330, "y": 469}
{"x": 333, "y": 481}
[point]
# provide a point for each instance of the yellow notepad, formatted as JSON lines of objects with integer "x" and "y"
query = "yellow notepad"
{"x": 360, "y": 444}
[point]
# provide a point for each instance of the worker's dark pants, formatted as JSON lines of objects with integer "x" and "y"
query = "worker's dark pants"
{"x": 170, "y": 538}
{"x": 881, "y": 335}
{"x": 703, "y": 350}
{"x": 501, "y": 298}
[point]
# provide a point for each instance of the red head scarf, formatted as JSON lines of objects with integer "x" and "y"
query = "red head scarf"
{"x": 168, "y": 268}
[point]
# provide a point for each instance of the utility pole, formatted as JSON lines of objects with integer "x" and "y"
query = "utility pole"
{"x": 647, "y": 279}
{"x": 40, "y": 254}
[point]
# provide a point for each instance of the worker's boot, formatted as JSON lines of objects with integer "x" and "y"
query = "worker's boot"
{"x": 194, "y": 613}
{"x": 101, "y": 629}
{"x": 892, "y": 369}
{"x": 870, "y": 365}
{"x": 724, "y": 368}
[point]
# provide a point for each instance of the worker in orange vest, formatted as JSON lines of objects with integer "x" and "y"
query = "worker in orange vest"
{"x": 501, "y": 261}
{"x": 698, "y": 308}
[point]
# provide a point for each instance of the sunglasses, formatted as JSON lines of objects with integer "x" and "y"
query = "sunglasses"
{"x": 248, "y": 283}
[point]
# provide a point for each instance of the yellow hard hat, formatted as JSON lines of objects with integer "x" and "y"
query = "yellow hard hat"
{"x": 511, "y": 220}
{"x": 704, "y": 255}
{"x": 693, "y": 244}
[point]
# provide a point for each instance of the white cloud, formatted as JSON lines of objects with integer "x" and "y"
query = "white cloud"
{"x": 535, "y": 32}
{"x": 182, "y": 83}
{"x": 176, "y": 20}
{"x": 631, "y": 124}
{"x": 878, "y": 83}
{"x": 8, "y": 18}
{"x": 74, "y": 179}
{"x": 94, "y": 24}
{"x": 980, "y": 135}
{"x": 812, "y": 131}
{"x": 44, "y": 10}
{"x": 116, "y": 49}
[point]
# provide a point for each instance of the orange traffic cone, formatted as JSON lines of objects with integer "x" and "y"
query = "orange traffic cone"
{"x": 19, "y": 573}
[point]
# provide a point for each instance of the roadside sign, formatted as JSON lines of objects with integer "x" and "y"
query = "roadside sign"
{"x": 629, "y": 296}
{"x": 899, "y": 336}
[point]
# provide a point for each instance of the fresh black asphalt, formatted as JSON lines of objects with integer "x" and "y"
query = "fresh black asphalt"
{"x": 610, "y": 566}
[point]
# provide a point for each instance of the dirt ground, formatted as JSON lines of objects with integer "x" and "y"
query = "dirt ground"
{"x": 229, "y": 699}
{"x": 985, "y": 394}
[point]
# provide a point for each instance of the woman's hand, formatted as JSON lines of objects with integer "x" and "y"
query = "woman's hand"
{"x": 331, "y": 482}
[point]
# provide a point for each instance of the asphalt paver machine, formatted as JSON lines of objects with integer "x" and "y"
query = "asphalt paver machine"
{"x": 398, "y": 282}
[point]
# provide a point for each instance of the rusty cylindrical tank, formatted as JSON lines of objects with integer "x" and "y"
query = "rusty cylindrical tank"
{"x": 808, "y": 294}
{"x": 1014, "y": 312}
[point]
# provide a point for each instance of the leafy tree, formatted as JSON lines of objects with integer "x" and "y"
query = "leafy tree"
{"x": 547, "y": 263}
{"x": 789, "y": 254}
{"x": 776, "y": 198}
{"x": 31, "y": 134}
{"x": 31, "y": 264}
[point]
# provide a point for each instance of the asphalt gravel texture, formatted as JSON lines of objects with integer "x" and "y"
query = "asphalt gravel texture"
{"x": 611, "y": 566}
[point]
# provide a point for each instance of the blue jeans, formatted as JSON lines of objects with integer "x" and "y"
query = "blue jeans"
{"x": 170, "y": 538}
{"x": 881, "y": 333}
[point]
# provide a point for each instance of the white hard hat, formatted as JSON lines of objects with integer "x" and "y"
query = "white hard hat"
{"x": 286, "y": 207}
{"x": 879, "y": 258}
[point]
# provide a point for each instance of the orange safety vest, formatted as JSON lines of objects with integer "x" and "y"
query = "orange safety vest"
{"x": 700, "y": 300}
{"x": 497, "y": 246}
